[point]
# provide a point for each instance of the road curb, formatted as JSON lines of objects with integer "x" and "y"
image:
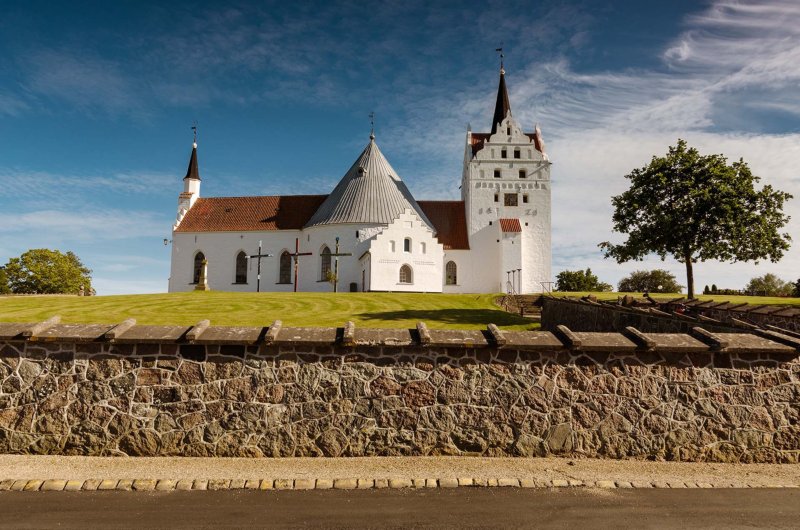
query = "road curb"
{"x": 304, "y": 484}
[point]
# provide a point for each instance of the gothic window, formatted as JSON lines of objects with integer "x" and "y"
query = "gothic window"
{"x": 198, "y": 266}
{"x": 406, "y": 275}
{"x": 516, "y": 153}
{"x": 241, "y": 267}
{"x": 503, "y": 153}
{"x": 510, "y": 199}
{"x": 497, "y": 173}
{"x": 450, "y": 273}
{"x": 522, "y": 174}
{"x": 285, "y": 272}
{"x": 407, "y": 244}
{"x": 324, "y": 263}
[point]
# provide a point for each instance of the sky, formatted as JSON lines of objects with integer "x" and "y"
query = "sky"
{"x": 97, "y": 100}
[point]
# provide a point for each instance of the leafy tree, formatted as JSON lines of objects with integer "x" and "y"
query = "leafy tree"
{"x": 695, "y": 208}
{"x": 572, "y": 281}
{"x": 655, "y": 281}
{"x": 769, "y": 285}
{"x": 44, "y": 271}
{"x": 714, "y": 288}
{"x": 706, "y": 290}
{"x": 4, "y": 288}
{"x": 797, "y": 288}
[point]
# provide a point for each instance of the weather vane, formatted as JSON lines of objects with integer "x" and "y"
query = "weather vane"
{"x": 372, "y": 125}
{"x": 500, "y": 51}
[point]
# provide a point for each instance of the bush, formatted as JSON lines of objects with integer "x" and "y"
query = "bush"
{"x": 655, "y": 281}
{"x": 575, "y": 281}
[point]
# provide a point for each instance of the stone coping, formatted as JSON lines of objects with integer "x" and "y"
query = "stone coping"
{"x": 700, "y": 340}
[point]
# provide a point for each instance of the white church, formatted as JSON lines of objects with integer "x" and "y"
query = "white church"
{"x": 495, "y": 239}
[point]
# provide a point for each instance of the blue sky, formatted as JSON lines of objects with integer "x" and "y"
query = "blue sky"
{"x": 96, "y": 104}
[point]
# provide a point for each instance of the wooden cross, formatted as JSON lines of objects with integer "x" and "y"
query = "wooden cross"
{"x": 296, "y": 257}
{"x": 258, "y": 257}
{"x": 336, "y": 264}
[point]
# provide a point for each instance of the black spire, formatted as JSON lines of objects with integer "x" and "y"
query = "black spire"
{"x": 502, "y": 107}
{"x": 193, "y": 172}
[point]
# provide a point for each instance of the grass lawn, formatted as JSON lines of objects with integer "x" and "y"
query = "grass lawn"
{"x": 752, "y": 300}
{"x": 375, "y": 310}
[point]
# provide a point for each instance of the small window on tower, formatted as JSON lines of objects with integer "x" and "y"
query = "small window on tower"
{"x": 407, "y": 244}
{"x": 508, "y": 131}
{"x": 503, "y": 153}
{"x": 497, "y": 173}
{"x": 510, "y": 199}
{"x": 517, "y": 153}
{"x": 523, "y": 174}
{"x": 525, "y": 198}
{"x": 496, "y": 197}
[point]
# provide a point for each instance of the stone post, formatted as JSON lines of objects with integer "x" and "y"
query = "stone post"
{"x": 202, "y": 283}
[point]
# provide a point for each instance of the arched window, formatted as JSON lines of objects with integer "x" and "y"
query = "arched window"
{"x": 285, "y": 273}
{"x": 241, "y": 267}
{"x": 407, "y": 244}
{"x": 406, "y": 274}
{"x": 324, "y": 263}
{"x": 450, "y": 271}
{"x": 197, "y": 267}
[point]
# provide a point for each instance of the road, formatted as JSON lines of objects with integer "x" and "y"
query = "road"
{"x": 457, "y": 508}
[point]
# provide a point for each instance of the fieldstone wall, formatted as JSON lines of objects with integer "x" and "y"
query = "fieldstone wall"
{"x": 292, "y": 392}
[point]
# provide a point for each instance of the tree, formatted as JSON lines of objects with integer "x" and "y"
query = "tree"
{"x": 697, "y": 208}
{"x": 573, "y": 281}
{"x": 655, "y": 281}
{"x": 796, "y": 288}
{"x": 4, "y": 288}
{"x": 769, "y": 285}
{"x": 44, "y": 271}
{"x": 706, "y": 290}
{"x": 714, "y": 288}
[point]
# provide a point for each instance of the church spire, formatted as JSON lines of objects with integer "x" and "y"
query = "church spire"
{"x": 193, "y": 171}
{"x": 502, "y": 107}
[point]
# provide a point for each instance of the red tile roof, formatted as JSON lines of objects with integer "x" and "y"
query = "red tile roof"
{"x": 292, "y": 212}
{"x": 243, "y": 214}
{"x": 450, "y": 221}
{"x": 510, "y": 225}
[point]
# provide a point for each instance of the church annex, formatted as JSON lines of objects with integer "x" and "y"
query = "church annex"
{"x": 495, "y": 239}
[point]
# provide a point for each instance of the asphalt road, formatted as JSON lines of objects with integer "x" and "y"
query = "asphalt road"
{"x": 458, "y": 508}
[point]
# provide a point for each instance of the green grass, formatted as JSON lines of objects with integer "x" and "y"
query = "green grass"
{"x": 735, "y": 299}
{"x": 374, "y": 310}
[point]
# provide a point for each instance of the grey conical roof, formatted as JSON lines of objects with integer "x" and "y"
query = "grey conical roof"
{"x": 370, "y": 192}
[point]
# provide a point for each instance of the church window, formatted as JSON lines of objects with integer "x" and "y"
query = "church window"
{"x": 525, "y": 198}
{"x": 497, "y": 173}
{"x": 422, "y": 247}
{"x": 406, "y": 274}
{"x": 391, "y": 245}
{"x": 496, "y": 197}
{"x": 325, "y": 263}
{"x": 522, "y": 174}
{"x": 450, "y": 273}
{"x": 503, "y": 153}
{"x": 508, "y": 132}
{"x": 197, "y": 267}
{"x": 241, "y": 267}
{"x": 285, "y": 272}
{"x": 407, "y": 244}
{"x": 510, "y": 199}
{"x": 517, "y": 153}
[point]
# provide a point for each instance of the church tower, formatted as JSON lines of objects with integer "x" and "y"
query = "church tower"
{"x": 505, "y": 186}
{"x": 191, "y": 185}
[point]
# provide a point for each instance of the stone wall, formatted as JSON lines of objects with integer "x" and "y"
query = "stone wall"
{"x": 213, "y": 391}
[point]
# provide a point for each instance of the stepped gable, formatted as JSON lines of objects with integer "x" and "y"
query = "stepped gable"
{"x": 370, "y": 192}
{"x": 246, "y": 214}
{"x": 450, "y": 222}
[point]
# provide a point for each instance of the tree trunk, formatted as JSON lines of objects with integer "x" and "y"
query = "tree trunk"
{"x": 687, "y": 259}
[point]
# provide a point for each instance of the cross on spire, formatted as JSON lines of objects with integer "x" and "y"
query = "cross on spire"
{"x": 502, "y": 56}
{"x": 194, "y": 133}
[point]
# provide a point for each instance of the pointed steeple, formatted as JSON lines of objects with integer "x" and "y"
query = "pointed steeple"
{"x": 193, "y": 171}
{"x": 502, "y": 107}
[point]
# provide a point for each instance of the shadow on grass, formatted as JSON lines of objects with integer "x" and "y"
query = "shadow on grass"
{"x": 450, "y": 316}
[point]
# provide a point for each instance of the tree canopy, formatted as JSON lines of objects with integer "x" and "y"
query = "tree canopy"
{"x": 45, "y": 271}
{"x": 769, "y": 285}
{"x": 574, "y": 281}
{"x": 654, "y": 281}
{"x": 697, "y": 207}
{"x": 4, "y": 288}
